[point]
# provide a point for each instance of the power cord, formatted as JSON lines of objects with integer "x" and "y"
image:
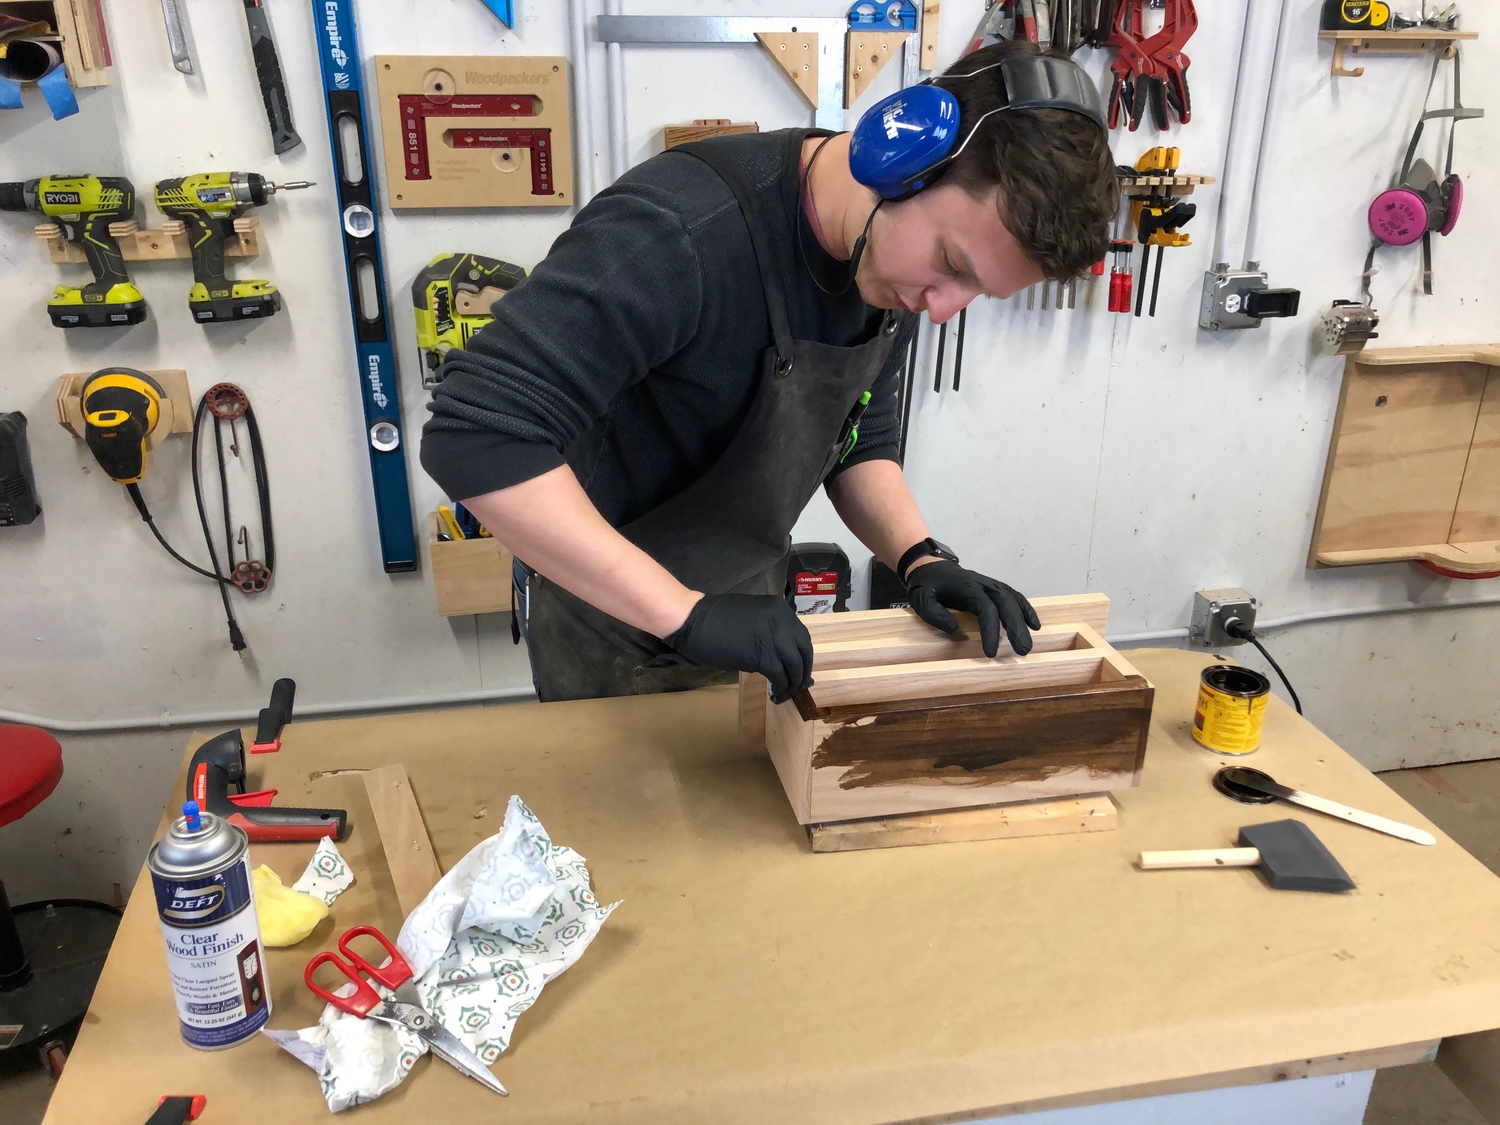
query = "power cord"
{"x": 1242, "y": 632}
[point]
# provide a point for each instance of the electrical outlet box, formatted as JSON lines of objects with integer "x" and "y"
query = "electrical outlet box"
{"x": 1242, "y": 299}
{"x": 1212, "y": 610}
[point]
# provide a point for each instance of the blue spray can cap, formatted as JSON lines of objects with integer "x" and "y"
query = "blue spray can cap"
{"x": 190, "y": 810}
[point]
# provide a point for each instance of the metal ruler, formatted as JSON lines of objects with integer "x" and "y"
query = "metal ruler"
{"x": 742, "y": 29}
{"x": 380, "y": 391}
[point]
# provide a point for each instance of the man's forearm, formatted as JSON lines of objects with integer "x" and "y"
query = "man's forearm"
{"x": 874, "y": 501}
{"x": 550, "y": 523}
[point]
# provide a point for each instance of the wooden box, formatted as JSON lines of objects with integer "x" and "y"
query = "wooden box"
{"x": 469, "y": 575}
{"x": 905, "y": 719}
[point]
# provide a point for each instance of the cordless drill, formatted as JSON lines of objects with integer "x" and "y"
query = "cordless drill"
{"x": 84, "y": 206}
{"x": 208, "y": 203}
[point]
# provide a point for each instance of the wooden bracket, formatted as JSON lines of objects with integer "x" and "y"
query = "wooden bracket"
{"x": 797, "y": 54}
{"x": 865, "y": 55}
{"x": 704, "y": 127}
{"x": 930, "y": 9}
{"x": 175, "y": 412}
{"x": 169, "y": 241}
{"x": 1413, "y": 42}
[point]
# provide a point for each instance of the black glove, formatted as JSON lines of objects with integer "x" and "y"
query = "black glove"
{"x": 937, "y": 587}
{"x": 750, "y": 633}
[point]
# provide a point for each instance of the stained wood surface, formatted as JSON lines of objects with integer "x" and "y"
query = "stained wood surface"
{"x": 842, "y": 989}
{"x": 797, "y": 55}
{"x": 1053, "y": 743}
{"x": 469, "y": 575}
{"x": 408, "y": 851}
{"x": 865, "y": 56}
{"x": 703, "y": 129}
{"x": 1413, "y": 469}
{"x": 996, "y": 822}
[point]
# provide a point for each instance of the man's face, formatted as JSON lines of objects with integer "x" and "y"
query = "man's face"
{"x": 939, "y": 250}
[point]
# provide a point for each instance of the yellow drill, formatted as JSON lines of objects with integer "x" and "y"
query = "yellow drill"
{"x": 84, "y": 206}
{"x": 208, "y": 203}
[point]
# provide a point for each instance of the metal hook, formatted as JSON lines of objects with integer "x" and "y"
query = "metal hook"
{"x": 234, "y": 443}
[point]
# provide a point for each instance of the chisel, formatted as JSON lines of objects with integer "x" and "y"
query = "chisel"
{"x": 272, "y": 85}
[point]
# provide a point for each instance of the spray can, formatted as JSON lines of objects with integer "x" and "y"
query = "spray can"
{"x": 200, "y": 871}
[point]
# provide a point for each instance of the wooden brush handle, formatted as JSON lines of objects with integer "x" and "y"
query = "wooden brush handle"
{"x": 1209, "y": 857}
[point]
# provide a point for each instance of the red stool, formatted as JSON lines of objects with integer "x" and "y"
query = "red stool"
{"x": 69, "y": 937}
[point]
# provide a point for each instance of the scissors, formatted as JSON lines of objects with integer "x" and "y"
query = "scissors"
{"x": 405, "y": 1010}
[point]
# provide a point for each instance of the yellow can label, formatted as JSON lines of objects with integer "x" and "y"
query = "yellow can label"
{"x": 1228, "y": 724}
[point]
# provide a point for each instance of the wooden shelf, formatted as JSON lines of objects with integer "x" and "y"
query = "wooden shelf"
{"x": 1412, "y": 42}
{"x": 1413, "y": 468}
{"x": 1143, "y": 183}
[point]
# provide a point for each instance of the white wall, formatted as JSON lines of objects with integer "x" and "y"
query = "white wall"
{"x": 1086, "y": 450}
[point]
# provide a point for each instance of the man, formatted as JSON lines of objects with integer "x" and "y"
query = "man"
{"x": 653, "y": 407}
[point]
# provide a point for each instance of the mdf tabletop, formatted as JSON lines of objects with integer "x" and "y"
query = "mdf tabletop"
{"x": 746, "y": 979}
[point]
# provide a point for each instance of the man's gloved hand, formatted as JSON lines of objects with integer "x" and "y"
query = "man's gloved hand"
{"x": 751, "y": 633}
{"x": 937, "y": 587}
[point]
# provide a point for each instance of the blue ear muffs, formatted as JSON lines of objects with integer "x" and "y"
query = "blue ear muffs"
{"x": 904, "y": 141}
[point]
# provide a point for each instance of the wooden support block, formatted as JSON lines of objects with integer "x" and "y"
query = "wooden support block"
{"x": 469, "y": 575}
{"x": 175, "y": 412}
{"x": 797, "y": 54}
{"x": 408, "y": 851}
{"x": 930, "y": 10}
{"x": 865, "y": 55}
{"x": 703, "y": 128}
{"x": 1095, "y": 813}
{"x": 752, "y": 712}
{"x": 85, "y": 44}
{"x": 168, "y": 241}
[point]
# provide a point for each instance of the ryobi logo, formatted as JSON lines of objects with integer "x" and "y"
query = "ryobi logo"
{"x": 192, "y": 904}
{"x": 61, "y": 198}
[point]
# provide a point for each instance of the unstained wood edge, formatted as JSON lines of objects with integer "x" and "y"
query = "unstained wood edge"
{"x": 1376, "y": 1058}
{"x": 403, "y": 834}
{"x": 1096, "y": 813}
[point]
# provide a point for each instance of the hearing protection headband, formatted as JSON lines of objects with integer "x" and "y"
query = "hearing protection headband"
{"x": 906, "y": 141}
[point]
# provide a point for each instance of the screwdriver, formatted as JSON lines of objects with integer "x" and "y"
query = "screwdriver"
{"x": 1121, "y": 280}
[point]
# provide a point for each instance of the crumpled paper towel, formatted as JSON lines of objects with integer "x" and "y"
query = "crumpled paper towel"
{"x": 511, "y": 915}
{"x": 327, "y": 875}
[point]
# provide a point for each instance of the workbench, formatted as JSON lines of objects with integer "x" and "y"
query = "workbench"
{"x": 745, "y": 979}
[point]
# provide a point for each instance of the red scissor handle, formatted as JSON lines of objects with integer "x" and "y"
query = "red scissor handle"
{"x": 365, "y": 999}
{"x": 393, "y": 974}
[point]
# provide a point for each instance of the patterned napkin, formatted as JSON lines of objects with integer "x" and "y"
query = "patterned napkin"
{"x": 511, "y": 915}
{"x": 327, "y": 875}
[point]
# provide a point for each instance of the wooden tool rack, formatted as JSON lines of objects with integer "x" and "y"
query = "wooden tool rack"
{"x": 1414, "y": 41}
{"x": 170, "y": 240}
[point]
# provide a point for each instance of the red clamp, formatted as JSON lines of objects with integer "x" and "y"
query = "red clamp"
{"x": 1152, "y": 71}
{"x": 174, "y": 1109}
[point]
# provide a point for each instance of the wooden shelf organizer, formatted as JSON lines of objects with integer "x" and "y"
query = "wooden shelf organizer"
{"x": 1413, "y": 468}
{"x": 1144, "y": 183}
{"x": 468, "y": 575}
{"x": 170, "y": 240}
{"x": 1412, "y": 42}
{"x": 903, "y": 719}
{"x": 175, "y": 412}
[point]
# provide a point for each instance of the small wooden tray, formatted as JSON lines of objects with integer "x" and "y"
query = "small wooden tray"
{"x": 905, "y": 719}
{"x": 469, "y": 575}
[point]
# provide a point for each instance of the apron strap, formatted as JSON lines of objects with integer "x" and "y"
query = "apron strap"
{"x": 770, "y": 273}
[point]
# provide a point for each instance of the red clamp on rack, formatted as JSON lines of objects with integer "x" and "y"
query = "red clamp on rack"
{"x": 1152, "y": 71}
{"x": 174, "y": 1109}
{"x": 274, "y": 717}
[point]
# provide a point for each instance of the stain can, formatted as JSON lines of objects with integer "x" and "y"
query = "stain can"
{"x": 1231, "y": 708}
{"x": 200, "y": 871}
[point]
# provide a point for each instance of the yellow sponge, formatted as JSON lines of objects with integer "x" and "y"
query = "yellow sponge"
{"x": 286, "y": 916}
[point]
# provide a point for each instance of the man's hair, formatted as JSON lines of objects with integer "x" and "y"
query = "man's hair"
{"x": 1058, "y": 189}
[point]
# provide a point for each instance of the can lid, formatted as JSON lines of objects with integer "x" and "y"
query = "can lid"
{"x": 194, "y": 843}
